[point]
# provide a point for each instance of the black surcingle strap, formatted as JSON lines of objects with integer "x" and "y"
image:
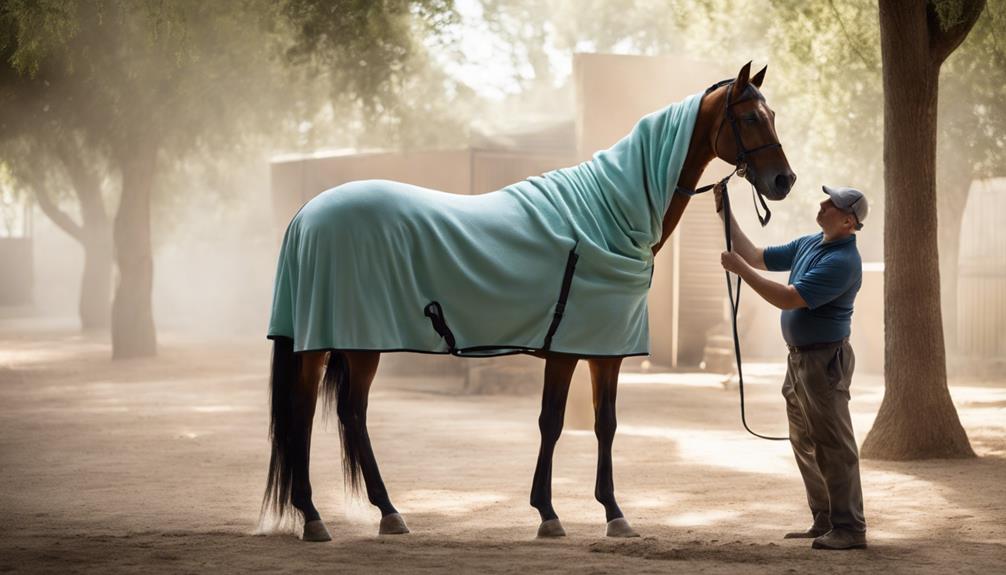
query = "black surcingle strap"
{"x": 436, "y": 315}
{"x": 560, "y": 306}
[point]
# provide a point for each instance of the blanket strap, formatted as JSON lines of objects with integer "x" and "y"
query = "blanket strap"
{"x": 560, "y": 306}
{"x": 436, "y": 315}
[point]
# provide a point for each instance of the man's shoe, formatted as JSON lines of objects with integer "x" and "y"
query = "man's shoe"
{"x": 841, "y": 539}
{"x": 811, "y": 533}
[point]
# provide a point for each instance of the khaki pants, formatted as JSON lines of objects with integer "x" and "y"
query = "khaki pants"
{"x": 820, "y": 430}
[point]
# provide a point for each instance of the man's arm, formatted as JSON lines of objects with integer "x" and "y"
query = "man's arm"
{"x": 780, "y": 295}
{"x": 752, "y": 254}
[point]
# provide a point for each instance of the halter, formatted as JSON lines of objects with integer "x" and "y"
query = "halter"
{"x": 740, "y": 165}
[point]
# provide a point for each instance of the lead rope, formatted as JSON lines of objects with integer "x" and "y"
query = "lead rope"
{"x": 735, "y": 303}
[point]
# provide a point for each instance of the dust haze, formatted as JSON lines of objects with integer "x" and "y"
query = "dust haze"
{"x": 161, "y": 461}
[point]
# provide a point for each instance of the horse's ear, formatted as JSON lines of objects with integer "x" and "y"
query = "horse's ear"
{"x": 759, "y": 77}
{"x": 742, "y": 81}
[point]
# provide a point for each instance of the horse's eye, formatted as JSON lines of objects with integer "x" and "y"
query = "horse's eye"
{"x": 751, "y": 119}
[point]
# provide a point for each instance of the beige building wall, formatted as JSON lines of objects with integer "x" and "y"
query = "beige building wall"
{"x": 613, "y": 92}
{"x": 492, "y": 170}
{"x": 296, "y": 181}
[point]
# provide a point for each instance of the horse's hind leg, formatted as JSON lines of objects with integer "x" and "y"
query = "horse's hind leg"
{"x": 358, "y": 455}
{"x": 304, "y": 402}
{"x": 604, "y": 378}
{"x": 294, "y": 395}
{"x": 558, "y": 374}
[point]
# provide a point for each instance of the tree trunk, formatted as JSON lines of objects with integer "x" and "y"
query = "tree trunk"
{"x": 917, "y": 418}
{"x": 93, "y": 233}
{"x": 133, "y": 333}
{"x": 96, "y": 284}
{"x": 95, "y": 237}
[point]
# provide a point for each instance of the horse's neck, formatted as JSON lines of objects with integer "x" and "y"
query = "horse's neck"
{"x": 695, "y": 164}
{"x": 700, "y": 153}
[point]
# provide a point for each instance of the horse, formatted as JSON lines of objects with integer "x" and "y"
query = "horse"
{"x": 342, "y": 369}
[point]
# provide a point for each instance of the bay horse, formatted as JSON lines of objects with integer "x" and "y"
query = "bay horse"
{"x": 343, "y": 373}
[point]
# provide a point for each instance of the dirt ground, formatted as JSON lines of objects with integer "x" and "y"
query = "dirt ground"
{"x": 159, "y": 465}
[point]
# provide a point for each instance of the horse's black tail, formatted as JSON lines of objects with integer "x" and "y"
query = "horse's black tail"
{"x": 336, "y": 391}
{"x": 279, "y": 484}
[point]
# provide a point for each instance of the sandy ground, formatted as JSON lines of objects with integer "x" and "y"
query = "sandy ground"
{"x": 158, "y": 466}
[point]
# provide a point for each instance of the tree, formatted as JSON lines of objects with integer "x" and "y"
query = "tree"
{"x": 33, "y": 138}
{"x": 121, "y": 86}
{"x": 377, "y": 58}
{"x": 917, "y": 418}
{"x": 972, "y": 140}
{"x": 141, "y": 88}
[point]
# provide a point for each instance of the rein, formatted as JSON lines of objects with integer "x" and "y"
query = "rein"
{"x": 740, "y": 168}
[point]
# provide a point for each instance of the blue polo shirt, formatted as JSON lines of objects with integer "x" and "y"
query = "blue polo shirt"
{"x": 827, "y": 275}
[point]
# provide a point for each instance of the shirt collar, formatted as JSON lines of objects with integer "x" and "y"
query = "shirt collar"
{"x": 851, "y": 238}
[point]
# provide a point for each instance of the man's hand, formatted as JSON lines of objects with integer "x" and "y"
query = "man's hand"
{"x": 718, "y": 194}
{"x": 732, "y": 262}
{"x": 782, "y": 296}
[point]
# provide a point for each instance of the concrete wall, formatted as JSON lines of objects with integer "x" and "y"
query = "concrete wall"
{"x": 17, "y": 279}
{"x": 981, "y": 287}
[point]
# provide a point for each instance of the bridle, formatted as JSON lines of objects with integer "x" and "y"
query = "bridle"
{"x": 728, "y": 116}
{"x": 740, "y": 165}
{"x": 741, "y": 168}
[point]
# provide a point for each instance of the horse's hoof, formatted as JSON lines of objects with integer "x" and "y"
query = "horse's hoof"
{"x": 393, "y": 524}
{"x": 620, "y": 528}
{"x": 316, "y": 531}
{"x": 551, "y": 528}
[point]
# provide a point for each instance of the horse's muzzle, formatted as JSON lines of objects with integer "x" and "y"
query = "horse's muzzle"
{"x": 784, "y": 183}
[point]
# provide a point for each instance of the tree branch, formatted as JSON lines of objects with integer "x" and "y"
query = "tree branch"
{"x": 85, "y": 183}
{"x": 58, "y": 217}
{"x": 854, "y": 45}
{"x": 943, "y": 41}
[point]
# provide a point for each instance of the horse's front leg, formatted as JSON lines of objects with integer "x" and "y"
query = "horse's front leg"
{"x": 558, "y": 374}
{"x": 604, "y": 378}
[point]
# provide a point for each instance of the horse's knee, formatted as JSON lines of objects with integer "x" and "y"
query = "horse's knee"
{"x": 550, "y": 427}
{"x": 605, "y": 424}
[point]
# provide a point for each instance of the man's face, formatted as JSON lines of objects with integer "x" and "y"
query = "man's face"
{"x": 834, "y": 221}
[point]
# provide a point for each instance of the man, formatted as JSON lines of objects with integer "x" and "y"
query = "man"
{"x": 825, "y": 274}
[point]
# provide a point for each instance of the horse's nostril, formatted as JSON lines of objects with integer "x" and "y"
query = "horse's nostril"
{"x": 783, "y": 183}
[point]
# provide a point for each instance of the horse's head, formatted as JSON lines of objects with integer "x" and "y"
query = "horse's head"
{"x": 745, "y": 136}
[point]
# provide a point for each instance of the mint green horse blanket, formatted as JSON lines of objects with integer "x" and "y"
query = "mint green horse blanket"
{"x": 559, "y": 262}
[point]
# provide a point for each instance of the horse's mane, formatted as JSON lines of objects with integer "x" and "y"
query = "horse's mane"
{"x": 719, "y": 84}
{"x": 751, "y": 90}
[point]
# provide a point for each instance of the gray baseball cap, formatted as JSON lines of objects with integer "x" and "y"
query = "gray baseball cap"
{"x": 849, "y": 200}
